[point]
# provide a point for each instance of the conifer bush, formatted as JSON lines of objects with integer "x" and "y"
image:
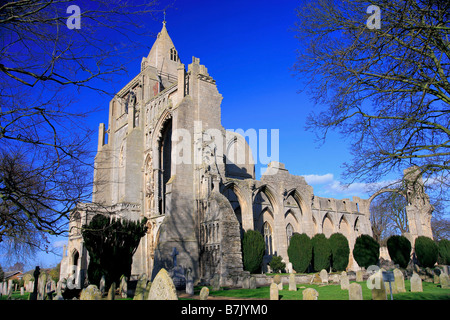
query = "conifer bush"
{"x": 426, "y": 251}
{"x": 444, "y": 252}
{"x": 300, "y": 252}
{"x": 111, "y": 244}
{"x": 253, "y": 247}
{"x": 340, "y": 251}
{"x": 366, "y": 251}
{"x": 321, "y": 252}
{"x": 399, "y": 249}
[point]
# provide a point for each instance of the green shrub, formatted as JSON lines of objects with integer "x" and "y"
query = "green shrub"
{"x": 366, "y": 251}
{"x": 399, "y": 249}
{"x": 111, "y": 244}
{"x": 253, "y": 247}
{"x": 321, "y": 252}
{"x": 426, "y": 251}
{"x": 276, "y": 264}
{"x": 300, "y": 252}
{"x": 444, "y": 252}
{"x": 340, "y": 251}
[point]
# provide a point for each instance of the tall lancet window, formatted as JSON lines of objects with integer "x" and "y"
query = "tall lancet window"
{"x": 268, "y": 238}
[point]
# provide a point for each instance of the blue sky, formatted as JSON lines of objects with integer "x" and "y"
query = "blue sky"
{"x": 249, "y": 49}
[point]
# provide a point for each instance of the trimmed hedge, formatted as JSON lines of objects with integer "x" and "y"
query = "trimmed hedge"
{"x": 340, "y": 251}
{"x": 253, "y": 247}
{"x": 426, "y": 251}
{"x": 366, "y": 251}
{"x": 321, "y": 252}
{"x": 300, "y": 252}
{"x": 444, "y": 252}
{"x": 399, "y": 249}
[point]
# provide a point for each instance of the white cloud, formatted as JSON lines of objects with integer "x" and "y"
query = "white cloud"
{"x": 59, "y": 244}
{"x": 327, "y": 186}
{"x": 319, "y": 179}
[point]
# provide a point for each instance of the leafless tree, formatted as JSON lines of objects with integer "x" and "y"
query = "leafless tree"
{"x": 387, "y": 90}
{"x": 46, "y": 159}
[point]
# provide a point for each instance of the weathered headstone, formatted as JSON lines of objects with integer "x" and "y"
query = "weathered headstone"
{"x": 246, "y": 281}
{"x": 316, "y": 279}
{"x": 274, "y": 291}
{"x": 102, "y": 285}
{"x": 324, "y": 276}
{"x": 278, "y": 282}
{"x": 310, "y": 294}
{"x": 436, "y": 273}
{"x": 22, "y": 291}
{"x": 399, "y": 282}
{"x": 41, "y": 286}
{"x": 443, "y": 279}
{"x": 91, "y": 293}
{"x": 378, "y": 287}
{"x": 112, "y": 292}
{"x": 359, "y": 276}
{"x": 292, "y": 282}
{"x": 204, "y": 293}
{"x": 189, "y": 282}
{"x": 416, "y": 283}
{"x": 355, "y": 291}
{"x": 147, "y": 290}
{"x": 140, "y": 287}
{"x": 123, "y": 288}
{"x": 215, "y": 282}
{"x": 345, "y": 282}
{"x": 162, "y": 287}
{"x": 252, "y": 282}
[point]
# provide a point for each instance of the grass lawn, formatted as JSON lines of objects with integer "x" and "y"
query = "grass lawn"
{"x": 431, "y": 291}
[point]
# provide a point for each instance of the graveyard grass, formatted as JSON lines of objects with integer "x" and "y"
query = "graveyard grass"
{"x": 431, "y": 291}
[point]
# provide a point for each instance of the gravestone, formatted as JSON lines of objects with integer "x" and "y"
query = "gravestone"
{"x": 204, "y": 293}
{"x": 416, "y": 283}
{"x": 123, "y": 288}
{"x": 399, "y": 282}
{"x": 443, "y": 279}
{"x": 359, "y": 276}
{"x": 378, "y": 287}
{"x": 140, "y": 287}
{"x": 310, "y": 294}
{"x": 34, "y": 294}
{"x": 112, "y": 292}
{"x": 246, "y": 281}
{"x": 355, "y": 291}
{"x": 252, "y": 282}
{"x": 41, "y": 286}
{"x": 345, "y": 282}
{"x": 436, "y": 273}
{"x": 278, "y": 282}
{"x": 215, "y": 282}
{"x": 147, "y": 290}
{"x": 162, "y": 287}
{"x": 189, "y": 282}
{"x": 102, "y": 285}
{"x": 292, "y": 282}
{"x": 316, "y": 279}
{"x": 323, "y": 276}
{"x": 91, "y": 293}
{"x": 274, "y": 291}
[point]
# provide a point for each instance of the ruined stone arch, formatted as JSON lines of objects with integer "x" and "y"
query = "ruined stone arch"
{"x": 327, "y": 225}
{"x": 270, "y": 194}
{"x": 233, "y": 191}
{"x": 344, "y": 227}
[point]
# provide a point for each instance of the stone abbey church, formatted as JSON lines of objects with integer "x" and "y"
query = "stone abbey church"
{"x": 199, "y": 207}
